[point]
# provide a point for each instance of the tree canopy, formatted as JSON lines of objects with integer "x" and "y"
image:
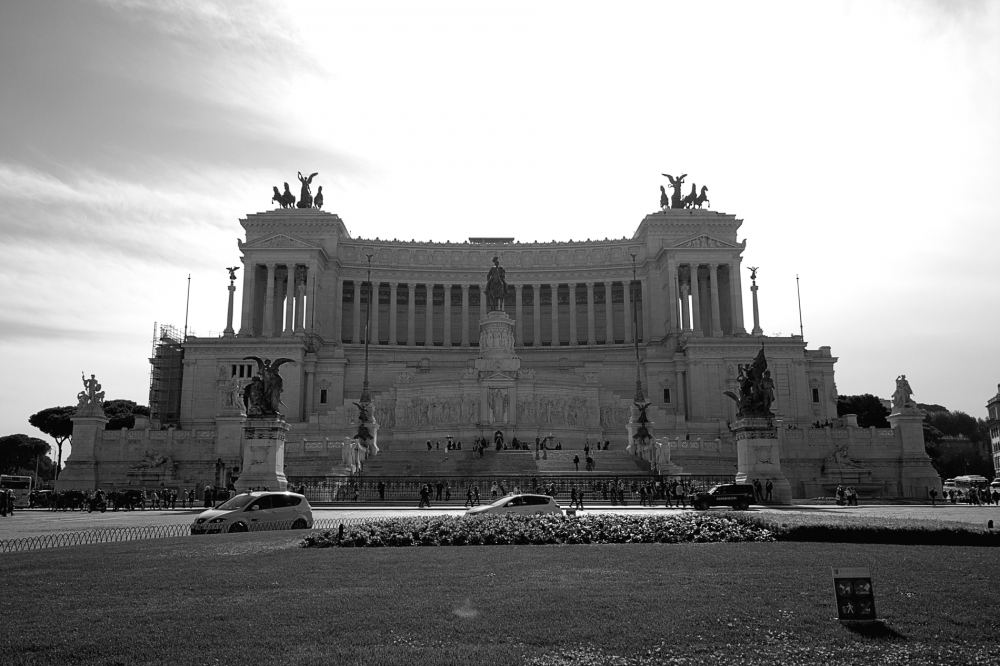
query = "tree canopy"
{"x": 122, "y": 413}
{"x": 19, "y": 452}
{"x": 56, "y": 422}
{"x": 868, "y": 408}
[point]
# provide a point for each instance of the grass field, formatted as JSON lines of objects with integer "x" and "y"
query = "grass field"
{"x": 260, "y": 599}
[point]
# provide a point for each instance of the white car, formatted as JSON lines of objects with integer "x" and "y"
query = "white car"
{"x": 525, "y": 504}
{"x": 252, "y": 512}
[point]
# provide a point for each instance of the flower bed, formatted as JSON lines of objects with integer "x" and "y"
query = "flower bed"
{"x": 495, "y": 530}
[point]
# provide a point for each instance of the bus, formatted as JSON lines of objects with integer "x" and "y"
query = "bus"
{"x": 20, "y": 485}
{"x": 963, "y": 484}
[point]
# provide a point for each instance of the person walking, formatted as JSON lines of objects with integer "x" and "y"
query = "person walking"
{"x": 768, "y": 487}
{"x": 576, "y": 462}
{"x": 933, "y": 495}
{"x": 381, "y": 490}
{"x": 468, "y": 497}
{"x": 425, "y": 496}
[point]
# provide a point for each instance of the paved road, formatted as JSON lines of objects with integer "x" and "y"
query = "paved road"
{"x": 35, "y": 522}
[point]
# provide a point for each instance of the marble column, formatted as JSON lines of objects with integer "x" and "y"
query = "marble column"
{"x": 695, "y": 301}
{"x": 647, "y": 319}
{"x": 672, "y": 297}
{"x": 300, "y": 301}
{"x": 249, "y": 285}
{"x": 591, "y": 326}
{"x": 736, "y": 286}
{"x": 536, "y": 305}
{"x": 411, "y": 314}
{"x": 393, "y": 322}
{"x": 356, "y": 333}
{"x": 447, "y": 315}
{"x": 627, "y": 287}
{"x": 555, "y": 314}
{"x": 373, "y": 305}
{"x": 685, "y": 308}
{"x": 572, "y": 314}
{"x": 518, "y": 316}
{"x": 713, "y": 279}
{"x": 310, "y": 309}
{"x": 289, "y": 300}
{"x": 609, "y": 320}
{"x": 429, "y": 318}
{"x": 268, "y": 331}
{"x": 482, "y": 303}
{"x": 465, "y": 315}
{"x": 338, "y": 315}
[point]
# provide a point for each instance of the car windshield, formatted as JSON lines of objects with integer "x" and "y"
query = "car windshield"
{"x": 237, "y": 502}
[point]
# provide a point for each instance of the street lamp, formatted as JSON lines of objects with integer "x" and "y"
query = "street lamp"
{"x": 639, "y": 397}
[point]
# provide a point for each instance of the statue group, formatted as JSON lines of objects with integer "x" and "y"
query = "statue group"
{"x": 756, "y": 389}
{"x": 306, "y": 200}
{"x": 677, "y": 200}
{"x": 262, "y": 396}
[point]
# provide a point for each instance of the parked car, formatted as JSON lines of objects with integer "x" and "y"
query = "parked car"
{"x": 251, "y": 512}
{"x": 737, "y": 495}
{"x": 525, "y": 504}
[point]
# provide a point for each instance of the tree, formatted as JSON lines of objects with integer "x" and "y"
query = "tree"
{"x": 56, "y": 422}
{"x": 868, "y": 408}
{"x": 122, "y": 413}
{"x": 20, "y": 452}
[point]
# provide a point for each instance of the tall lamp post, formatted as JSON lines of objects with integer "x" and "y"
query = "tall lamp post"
{"x": 642, "y": 435}
{"x": 639, "y": 397}
{"x": 365, "y": 404}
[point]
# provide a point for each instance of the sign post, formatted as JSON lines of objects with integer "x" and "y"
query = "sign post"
{"x": 853, "y": 593}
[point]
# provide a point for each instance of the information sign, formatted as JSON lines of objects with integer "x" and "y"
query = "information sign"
{"x": 853, "y": 592}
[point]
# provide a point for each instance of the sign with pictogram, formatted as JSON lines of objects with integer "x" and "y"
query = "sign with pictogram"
{"x": 853, "y": 593}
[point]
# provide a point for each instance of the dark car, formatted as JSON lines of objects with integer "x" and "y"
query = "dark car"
{"x": 737, "y": 495}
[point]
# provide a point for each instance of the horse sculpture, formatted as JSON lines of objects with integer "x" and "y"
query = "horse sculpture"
{"x": 701, "y": 198}
{"x": 318, "y": 199}
{"x": 286, "y": 200}
{"x": 688, "y": 201}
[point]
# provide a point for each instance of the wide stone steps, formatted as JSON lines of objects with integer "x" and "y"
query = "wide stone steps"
{"x": 498, "y": 463}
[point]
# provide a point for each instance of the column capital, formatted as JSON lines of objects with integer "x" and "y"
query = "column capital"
{"x": 608, "y": 283}
{"x": 394, "y": 285}
{"x": 590, "y": 285}
{"x": 465, "y": 286}
{"x": 447, "y": 285}
{"x": 271, "y": 265}
{"x": 536, "y": 285}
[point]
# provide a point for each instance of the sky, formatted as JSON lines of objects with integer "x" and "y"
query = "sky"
{"x": 858, "y": 141}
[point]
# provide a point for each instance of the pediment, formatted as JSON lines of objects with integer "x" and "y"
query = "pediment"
{"x": 704, "y": 240}
{"x": 279, "y": 241}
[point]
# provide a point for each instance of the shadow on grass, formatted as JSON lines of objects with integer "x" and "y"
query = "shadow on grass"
{"x": 877, "y": 629}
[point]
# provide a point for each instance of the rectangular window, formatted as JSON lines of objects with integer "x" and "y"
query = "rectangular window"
{"x": 322, "y": 396}
{"x": 815, "y": 395}
{"x": 666, "y": 396}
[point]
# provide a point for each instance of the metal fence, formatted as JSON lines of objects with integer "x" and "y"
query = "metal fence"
{"x": 117, "y": 534}
{"x": 407, "y": 488}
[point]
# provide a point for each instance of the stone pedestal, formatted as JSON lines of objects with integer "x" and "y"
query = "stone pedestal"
{"x": 758, "y": 456}
{"x": 82, "y": 467}
{"x": 497, "y": 368}
{"x": 263, "y": 454}
{"x": 916, "y": 474}
{"x": 661, "y": 461}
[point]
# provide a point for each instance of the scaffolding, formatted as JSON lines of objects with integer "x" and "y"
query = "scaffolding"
{"x": 166, "y": 376}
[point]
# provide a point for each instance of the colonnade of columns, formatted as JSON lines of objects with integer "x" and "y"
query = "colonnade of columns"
{"x": 706, "y": 298}
{"x": 449, "y": 317}
{"x": 286, "y": 307}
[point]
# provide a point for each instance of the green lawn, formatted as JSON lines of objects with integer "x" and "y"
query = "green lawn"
{"x": 259, "y": 599}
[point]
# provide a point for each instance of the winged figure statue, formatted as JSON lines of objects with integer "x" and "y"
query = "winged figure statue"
{"x": 262, "y": 396}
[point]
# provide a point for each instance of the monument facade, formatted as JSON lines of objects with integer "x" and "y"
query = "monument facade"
{"x": 534, "y": 340}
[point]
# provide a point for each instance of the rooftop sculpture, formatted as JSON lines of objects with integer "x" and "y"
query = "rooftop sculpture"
{"x": 676, "y": 200}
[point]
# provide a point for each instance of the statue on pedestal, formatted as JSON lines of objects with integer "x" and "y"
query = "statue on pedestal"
{"x": 262, "y": 396}
{"x": 756, "y": 389}
{"x": 902, "y": 397}
{"x": 676, "y": 200}
{"x": 286, "y": 199}
{"x": 496, "y": 286}
{"x": 91, "y": 397}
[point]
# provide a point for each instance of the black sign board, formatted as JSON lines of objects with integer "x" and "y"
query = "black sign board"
{"x": 853, "y": 592}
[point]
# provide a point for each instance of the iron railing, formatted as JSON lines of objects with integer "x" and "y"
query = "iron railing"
{"x": 370, "y": 490}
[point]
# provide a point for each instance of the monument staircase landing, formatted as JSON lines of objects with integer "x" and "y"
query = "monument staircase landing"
{"x": 466, "y": 463}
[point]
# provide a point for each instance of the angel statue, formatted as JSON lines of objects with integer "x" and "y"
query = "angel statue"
{"x": 305, "y": 197}
{"x": 232, "y": 272}
{"x": 676, "y": 199}
{"x": 262, "y": 396}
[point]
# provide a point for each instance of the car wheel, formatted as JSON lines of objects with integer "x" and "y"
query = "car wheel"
{"x": 701, "y": 505}
{"x": 300, "y": 524}
{"x": 238, "y": 527}
{"x": 742, "y": 505}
